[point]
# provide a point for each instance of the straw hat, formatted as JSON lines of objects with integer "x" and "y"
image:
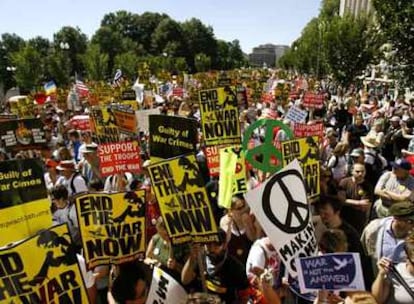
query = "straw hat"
{"x": 369, "y": 141}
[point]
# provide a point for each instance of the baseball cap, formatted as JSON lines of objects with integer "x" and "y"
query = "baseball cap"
{"x": 401, "y": 164}
{"x": 403, "y": 209}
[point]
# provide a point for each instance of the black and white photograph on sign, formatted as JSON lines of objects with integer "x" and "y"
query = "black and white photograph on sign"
{"x": 281, "y": 207}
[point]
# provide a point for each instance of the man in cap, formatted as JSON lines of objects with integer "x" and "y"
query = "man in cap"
{"x": 73, "y": 180}
{"x": 394, "y": 186}
{"x": 385, "y": 237}
{"x": 91, "y": 163}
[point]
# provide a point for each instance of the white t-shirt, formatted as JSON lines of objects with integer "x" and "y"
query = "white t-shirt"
{"x": 398, "y": 294}
{"x": 88, "y": 276}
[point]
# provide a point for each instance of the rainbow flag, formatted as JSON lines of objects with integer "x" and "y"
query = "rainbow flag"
{"x": 50, "y": 88}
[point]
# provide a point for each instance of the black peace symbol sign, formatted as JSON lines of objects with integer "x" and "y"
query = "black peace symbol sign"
{"x": 267, "y": 149}
{"x": 293, "y": 205}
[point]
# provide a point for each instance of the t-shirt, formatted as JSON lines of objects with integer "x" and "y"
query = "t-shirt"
{"x": 398, "y": 294}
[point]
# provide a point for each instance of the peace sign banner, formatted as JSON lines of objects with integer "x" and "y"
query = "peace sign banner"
{"x": 112, "y": 226}
{"x": 280, "y": 205}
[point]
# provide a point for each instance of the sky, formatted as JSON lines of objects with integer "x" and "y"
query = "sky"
{"x": 252, "y": 22}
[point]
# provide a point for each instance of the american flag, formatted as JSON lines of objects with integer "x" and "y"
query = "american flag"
{"x": 81, "y": 88}
{"x": 118, "y": 78}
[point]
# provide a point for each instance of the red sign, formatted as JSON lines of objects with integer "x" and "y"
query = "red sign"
{"x": 119, "y": 157}
{"x": 79, "y": 122}
{"x": 312, "y": 100}
{"x": 178, "y": 92}
{"x": 213, "y": 159}
{"x": 304, "y": 130}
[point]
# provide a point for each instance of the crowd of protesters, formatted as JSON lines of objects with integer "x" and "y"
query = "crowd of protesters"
{"x": 365, "y": 206}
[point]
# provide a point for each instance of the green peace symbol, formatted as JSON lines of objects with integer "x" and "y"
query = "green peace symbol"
{"x": 267, "y": 149}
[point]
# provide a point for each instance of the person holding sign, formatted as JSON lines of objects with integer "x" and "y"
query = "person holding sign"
{"x": 396, "y": 284}
{"x": 162, "y": 253}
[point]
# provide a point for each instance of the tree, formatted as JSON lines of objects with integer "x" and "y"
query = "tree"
{"x": 200, "y": 40}
{"x": 202, "y": 62}
{"x": 128, "y": 63}
{"x": 42, "y": 45}
{"x": 77, "y": 43}
{"x": 27, "y": 62}
{"x": 147, "y": 23}
{"x": 9, "y": 43}
{"x": 168, "y": 38}
{"x": 395, "y": 18}
{"x": 95, "y": 62}
{"x": 351, "y": 43}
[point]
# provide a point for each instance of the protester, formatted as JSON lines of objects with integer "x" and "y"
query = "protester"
{"x": 73, "y": 181}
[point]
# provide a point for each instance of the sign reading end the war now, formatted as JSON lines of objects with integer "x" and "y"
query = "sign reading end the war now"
{"x": 183, "y": 200}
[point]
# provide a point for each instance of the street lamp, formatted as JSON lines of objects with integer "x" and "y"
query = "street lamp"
{"x": 64, "y": 45}
{"x": 11, "y": 68}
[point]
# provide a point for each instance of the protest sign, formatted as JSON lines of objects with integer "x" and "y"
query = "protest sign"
{"x": 220, "y": 116}
{"x": 232, "y": 175}
{"x": 24, "y": 205}
{"x": 172, "y": 136}
{"x": 112, "y": 226}
{"x": 103, "y": 125}
{"x": 336, "y": 271}
{"x": 280, "y": 205}
{"x": 22, "y": 106}
{"x": 163, "y": 287}
{"x": 119, "y": 157}
{"x": 213, "y": 159}
{"x": 306, "y": 151}
{"x": 304, "y": 130}
{"x": 266, "y": 156}
{"x": 42, "y": 269}
{"x": 125, "y": 119}
{"x": 313, "y": 100}
{"x": 143, "y": 118}
{"x": 295, "y": 114}
{"x": 183, "y": 200}
{"x": 22, "y": 134}
{"x": 79, "y": 122}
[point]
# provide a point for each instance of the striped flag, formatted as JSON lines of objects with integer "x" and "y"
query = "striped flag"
{"x": 81, "y": 88}
{"x": 50, "y": 88}
{"x": 118, "y": 78}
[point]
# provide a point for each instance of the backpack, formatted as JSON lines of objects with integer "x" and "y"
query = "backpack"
{"x": 72, "y": 182}
{"x": 377, "y": 166}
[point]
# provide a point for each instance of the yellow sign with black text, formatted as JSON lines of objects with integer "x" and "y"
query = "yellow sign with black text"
{"x": 112, "y": 226}
{"x": 182, "y": 197}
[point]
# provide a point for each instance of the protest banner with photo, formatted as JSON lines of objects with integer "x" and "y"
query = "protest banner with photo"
{"x": 22, "y": 134}
{"x": 183, "y": 200}
{"x": 295, "y": 114}
{"x": 304, "y": 130}
{"x": 119, "y": 157}
{"x": 306, "y": 151}
{"x": 170, "y": 136}
{"x": 125, "y": 119}
{"x": 280, "y": 205}
{"x": 232, "y": 175}
{"x": 335, "y": 271}
{"x": 220, "y": 116}
{"x": 103, "y": 125}
{"x": 313, "y": 100}
{"x": 112, "y": 226}
{"x": 24, "y": 205}
{"x": 42, "y": 269}
{"x": 163, "y": 287}
{"x": 143, "y": 118}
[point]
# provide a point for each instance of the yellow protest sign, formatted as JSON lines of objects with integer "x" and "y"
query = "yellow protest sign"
{"x": 307, "y": 152}
{"x": 220, "y": 116}
{"x": 103, "y": 125}
{"x": 183, "y": 201}
{"x": 112, "y": 226}
{"x": 24, "y": 205}
{"x": 42, "y": 269}
{"x": 232, "y": 174}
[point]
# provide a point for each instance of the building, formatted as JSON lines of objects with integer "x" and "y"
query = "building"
{"x": 267, "y": 55}
{"x": 355, "y": 7}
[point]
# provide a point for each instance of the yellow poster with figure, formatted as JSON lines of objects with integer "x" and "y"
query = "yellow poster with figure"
{"x": 220, "y": 116}
{"x": 182, "y": 197}
{"x": 306, "y": 151}
{"x": 42, "y": 269}
{"x": 112, "y": 226}
{"x": 232, "y": 174}
{"x": 103, "y": 125}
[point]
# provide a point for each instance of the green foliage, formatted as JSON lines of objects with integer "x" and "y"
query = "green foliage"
{"x": 128, "y": 63}
{"x": 95, "y": 62}
{"x": 28, "y": 63}
{"x": 202, "y": 62}
{"x": 395, "y": 18}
